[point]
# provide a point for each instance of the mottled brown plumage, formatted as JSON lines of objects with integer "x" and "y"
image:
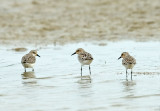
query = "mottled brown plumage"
{"x": 84, "y": 58}
{"x": 128, "y": 61}
{"x": 29, "y": 59}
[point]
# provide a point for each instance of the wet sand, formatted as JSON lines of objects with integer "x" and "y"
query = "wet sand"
{"x": 56, "y": 83}
{"x": 44, "y": 22}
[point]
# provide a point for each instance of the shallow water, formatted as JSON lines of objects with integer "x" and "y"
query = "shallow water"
{"x": 56, "y": 83}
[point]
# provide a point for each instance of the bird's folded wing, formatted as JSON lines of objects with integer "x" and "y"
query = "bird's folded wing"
{"x": 87, "y": 56}
{"x": 28, "y": 59}
{"x": 130, "y": 60}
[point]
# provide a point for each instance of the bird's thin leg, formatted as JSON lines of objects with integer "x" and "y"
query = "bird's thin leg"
{"x": 32, "y": 69}
{"x": 131, "y": 74}
{"x": 89, "y": 69}
{"x": 25, "y": 69}
{"x": 81, "y": 70}
{"x": 126, "y": 74}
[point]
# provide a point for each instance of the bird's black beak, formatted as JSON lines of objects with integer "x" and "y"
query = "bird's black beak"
{"x": 119, "y": 58}
{"x": 73, "y": 53}
{"x": 38, "y": 55}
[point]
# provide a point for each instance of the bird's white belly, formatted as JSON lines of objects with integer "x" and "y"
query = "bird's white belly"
{"x": 129, "y": 66}
{"x": 85, "y": 62}
{"x": 28, "y": 65}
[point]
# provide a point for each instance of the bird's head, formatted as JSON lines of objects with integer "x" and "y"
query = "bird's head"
{"x": 123, "y": 55}
{"x": 34, "y": 53}
{"x": 79, "y": 51}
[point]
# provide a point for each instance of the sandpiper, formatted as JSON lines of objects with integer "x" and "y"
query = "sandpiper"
{"x": 128, "y": 62}
{"x": 84, "y": 58}
{"x": 29, "y": 59}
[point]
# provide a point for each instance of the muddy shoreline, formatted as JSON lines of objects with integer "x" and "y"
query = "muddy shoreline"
{"x": 26, "y": 22}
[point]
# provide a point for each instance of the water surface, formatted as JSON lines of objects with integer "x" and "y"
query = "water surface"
{"x": 56, "y": 83}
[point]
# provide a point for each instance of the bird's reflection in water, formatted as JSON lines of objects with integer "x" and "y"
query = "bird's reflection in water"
{"x": 86, "y": 78}
{"x": 129, "y": 88}
{"x": 27, "y": 75}
{"x": 28, "y": 78}
{"x": 85, "y": 81}
{"x": 85, "y": 86}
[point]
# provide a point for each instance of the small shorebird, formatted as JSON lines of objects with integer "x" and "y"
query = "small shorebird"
{"x": 128, "y": 62}
{"x": 84, "y": 58}
{"x": 29, "y": 59}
